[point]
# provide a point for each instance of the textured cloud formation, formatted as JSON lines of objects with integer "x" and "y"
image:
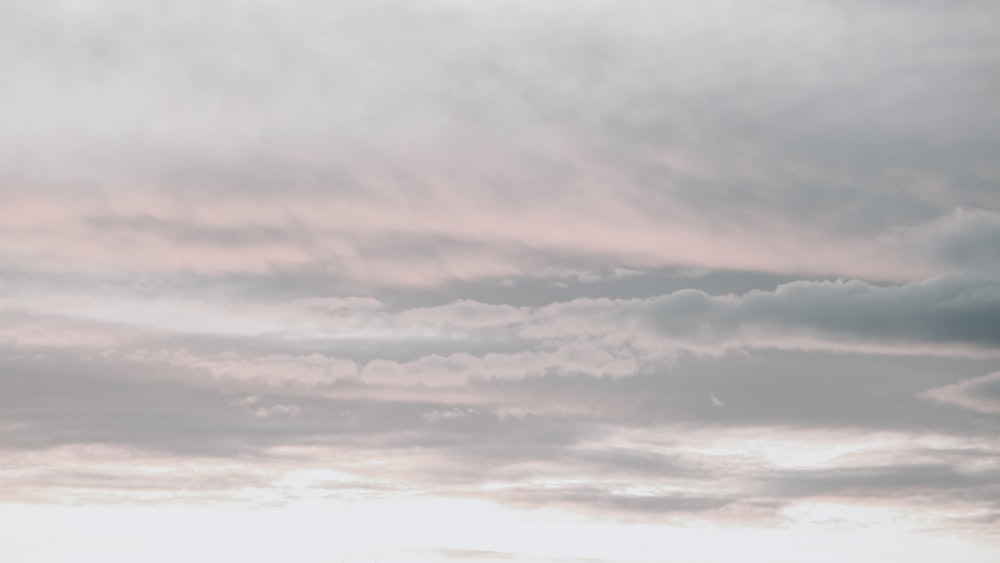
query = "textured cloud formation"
{"x": 649, "y": 269}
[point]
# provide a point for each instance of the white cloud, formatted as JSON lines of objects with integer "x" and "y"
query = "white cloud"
{"x": 277, "y": 410}
{"x": 444, "y": 415}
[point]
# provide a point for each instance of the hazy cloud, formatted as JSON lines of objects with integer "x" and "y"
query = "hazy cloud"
{"x": 712, "y": 264}
{"x": 979, "y": 393}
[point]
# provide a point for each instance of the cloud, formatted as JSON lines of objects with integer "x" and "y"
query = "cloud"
{"x": 466, "y": 554}
{"x": 444, "y": 415}
{"x": 980, "y": 394}
{"x": 603, "y": 501}
{"x": 487, "y": 144}
{"x": 949, "y": 310}
{"x": 965, "y": 238}
{"x": 277, "y": 410}
{"x": 666, "y": 262}
{"x": 270, "y": 369}
{"x": 923, "y": 483}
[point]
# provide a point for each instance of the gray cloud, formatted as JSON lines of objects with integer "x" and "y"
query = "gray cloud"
{"x": 515, "y": 432}
{"x": 958, "y": 309}
{"x": 244, "y": 98}
{"x": 964, "y": 239}
{"x": 935, "y": 480}
{"x": 603, "y": 501}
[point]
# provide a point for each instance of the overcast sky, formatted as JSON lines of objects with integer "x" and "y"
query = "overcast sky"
{"x": 538, "y": 281}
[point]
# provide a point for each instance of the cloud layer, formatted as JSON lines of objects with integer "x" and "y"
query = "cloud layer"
{"x": 663, "y": 263}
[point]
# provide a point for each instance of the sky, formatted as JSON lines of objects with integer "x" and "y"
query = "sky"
{"x": 548, "y": 282}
